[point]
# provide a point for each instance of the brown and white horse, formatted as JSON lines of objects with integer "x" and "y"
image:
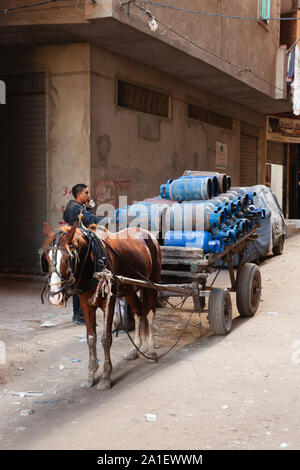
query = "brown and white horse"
{"x": 132, "y": 251}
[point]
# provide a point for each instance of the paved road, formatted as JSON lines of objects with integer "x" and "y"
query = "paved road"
{"x": 235, "y": 392}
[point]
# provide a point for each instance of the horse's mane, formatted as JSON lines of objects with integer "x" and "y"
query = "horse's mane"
{"x": 78, "y": 237}
{"x": 96, "y": 228}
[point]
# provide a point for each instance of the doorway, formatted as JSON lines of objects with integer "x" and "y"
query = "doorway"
{"x": 294, "y": 191}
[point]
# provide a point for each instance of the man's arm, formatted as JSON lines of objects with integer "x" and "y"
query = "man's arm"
{"x": 88, "y": 217}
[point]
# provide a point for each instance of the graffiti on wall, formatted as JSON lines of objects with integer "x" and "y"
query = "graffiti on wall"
{"x": 107, "y": 192}
{"x": 66, "y": 195}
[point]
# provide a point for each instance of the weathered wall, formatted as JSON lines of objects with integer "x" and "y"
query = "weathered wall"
{"x": 288, "y": 5}
{"x": 245, "y": 43}
{"x": 58, "y": 12}
{"x": 133, "y": 153}
{"x": 67, "y": 71}
{"x": 119, "y": 151}
{"x": 248, "y": 43}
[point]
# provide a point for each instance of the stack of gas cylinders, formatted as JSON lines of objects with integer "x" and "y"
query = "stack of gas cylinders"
{"x": 197, "y": 210}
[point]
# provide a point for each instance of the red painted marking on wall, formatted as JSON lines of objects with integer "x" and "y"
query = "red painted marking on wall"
{"x": 66, "y": 191}
{"x": 109, "y": 190}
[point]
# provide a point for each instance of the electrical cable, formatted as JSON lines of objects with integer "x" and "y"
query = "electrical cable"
{"x": 218, "y": 15}
{"x": 227, "y": 61}
{"x": 4, "y": 11}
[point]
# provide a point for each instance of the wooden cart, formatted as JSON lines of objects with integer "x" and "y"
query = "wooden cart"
{"x": 185, "y": 273}
{"x": 192, "y": 266}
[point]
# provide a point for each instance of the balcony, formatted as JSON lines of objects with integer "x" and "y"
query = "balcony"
{"x": 126, "y": 32}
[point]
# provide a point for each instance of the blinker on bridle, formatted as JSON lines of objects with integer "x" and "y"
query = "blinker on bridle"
{"x": 71, "y": 286}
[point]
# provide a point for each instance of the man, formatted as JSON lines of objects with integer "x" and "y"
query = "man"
{"x": 78, "y": 204}
{"x": 70, "y": 215}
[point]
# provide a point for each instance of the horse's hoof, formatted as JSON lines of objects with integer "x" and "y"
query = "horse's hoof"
{"x": 152, "y": 355}
{"x": 132, "y": 355}
{"x": 88, "y": 383}
{"x": 104, "y": 385}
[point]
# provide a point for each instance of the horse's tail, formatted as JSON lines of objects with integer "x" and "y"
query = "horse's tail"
{"x": 144, "y": 325}
{"x": 154, "y": 248}
{"x": 155, "y": 252}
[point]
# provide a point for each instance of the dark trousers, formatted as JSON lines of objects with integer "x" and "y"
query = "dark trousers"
{"x": 76, "y": 306}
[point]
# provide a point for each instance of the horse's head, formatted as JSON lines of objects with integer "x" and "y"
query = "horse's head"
{"x": 59, "y": 260}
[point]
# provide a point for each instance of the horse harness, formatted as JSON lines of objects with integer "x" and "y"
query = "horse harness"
{"x": 72, "y": 286}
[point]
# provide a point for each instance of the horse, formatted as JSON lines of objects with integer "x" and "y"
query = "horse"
{"x": 132, "y": 252}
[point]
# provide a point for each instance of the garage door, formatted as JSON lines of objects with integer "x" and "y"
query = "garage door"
{"x": 23, "y": 172}
{"x": 248, "y": 160}
{"x": 276, "y": 153}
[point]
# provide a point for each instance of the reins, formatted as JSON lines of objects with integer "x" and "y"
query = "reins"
{"x": 71, "y": 282}
{"x": 129, "y": 265}
{"x": 125, "y": 326}
{"x": 66, "y": 284}
{"x": 69, "y": 286}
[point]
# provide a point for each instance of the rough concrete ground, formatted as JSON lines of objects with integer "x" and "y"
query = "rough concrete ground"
{"x": 240, "y": 391}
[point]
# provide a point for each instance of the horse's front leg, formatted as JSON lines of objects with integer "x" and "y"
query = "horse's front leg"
{"x": 106, "y": 340}
{"x": 89, "y": 313}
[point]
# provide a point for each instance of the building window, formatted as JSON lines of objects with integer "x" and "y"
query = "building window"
{"x": 265, "y": 9}
{"x": 142, "y": 99}
{"x": 210, "y": 117}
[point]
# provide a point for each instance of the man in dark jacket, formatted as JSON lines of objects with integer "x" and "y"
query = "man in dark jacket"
{"x": 81, "y": 203}
{"x": 74, "y": 207}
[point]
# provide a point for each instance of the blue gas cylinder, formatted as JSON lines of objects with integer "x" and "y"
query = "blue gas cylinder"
{"x": 201, "y": 239}
{"x": 214, "y": 180}
{"x": 188, "y": 189}
{"x": 227, "y": 234}
{"x": 192, "y": 216}
{"x": 225, "y": 204}
{"x": 142, "y": 214}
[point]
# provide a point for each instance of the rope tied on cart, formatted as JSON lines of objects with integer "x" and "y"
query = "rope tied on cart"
{"x": 225, "y": 255}
{"x": 170, "y": 349}
{"x": 112, "y": 276}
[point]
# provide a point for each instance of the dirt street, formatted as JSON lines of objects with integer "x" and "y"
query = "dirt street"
{"x": 240, "y": 391}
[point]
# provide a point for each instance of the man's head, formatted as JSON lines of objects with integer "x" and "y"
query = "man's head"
{"x": 81, "y": 193}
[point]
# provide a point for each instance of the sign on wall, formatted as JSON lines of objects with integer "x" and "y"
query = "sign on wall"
{"x": 221, "y": 155}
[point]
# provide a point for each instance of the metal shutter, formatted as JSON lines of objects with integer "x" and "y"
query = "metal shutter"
{"x": 248, "y": 160}
{"x": 276, "y": 153}
{"x": 23, "y": 172}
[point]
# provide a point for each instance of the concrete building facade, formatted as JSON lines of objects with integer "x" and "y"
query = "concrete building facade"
{"x": 126, "y": 108}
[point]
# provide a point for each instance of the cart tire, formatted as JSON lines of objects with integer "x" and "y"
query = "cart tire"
{"x": 220, "y": 311}
{"x": 278, "y": 249}
{"x": 162, "y": 302}
{"x": 248, "y": 290}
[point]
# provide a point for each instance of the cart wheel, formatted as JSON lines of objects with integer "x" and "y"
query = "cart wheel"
{"x": 248, "y": 290}
{"x": 220, "y": 311}
{"x": 278, "y": 249}
{"x": 162, "y": 302}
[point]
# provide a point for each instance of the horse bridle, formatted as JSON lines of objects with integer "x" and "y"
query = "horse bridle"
{"x": 71, "y": 285}
{"x": 68, "y": 286}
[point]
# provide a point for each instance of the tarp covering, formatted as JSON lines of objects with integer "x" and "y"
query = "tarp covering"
{"x": 272, "y": 227}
